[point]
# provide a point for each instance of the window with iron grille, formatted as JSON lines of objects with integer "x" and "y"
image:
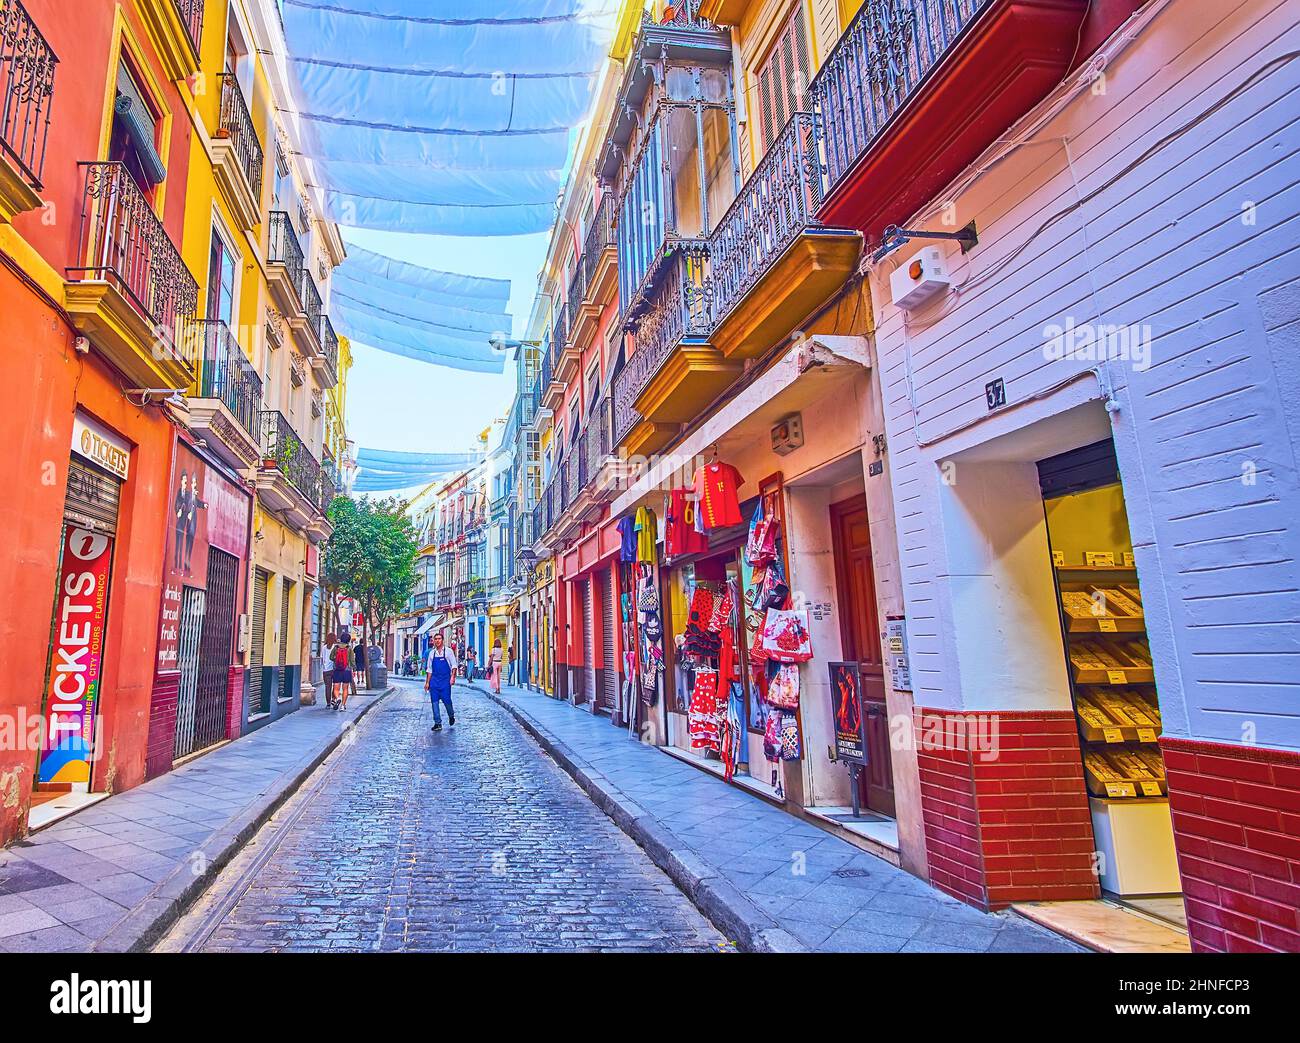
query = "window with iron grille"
{"x": 782, "y": 78}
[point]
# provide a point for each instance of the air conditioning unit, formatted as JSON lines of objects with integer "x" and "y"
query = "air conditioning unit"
{"x": 924, "y": 276}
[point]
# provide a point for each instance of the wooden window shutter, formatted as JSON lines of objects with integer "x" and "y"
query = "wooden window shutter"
{"x": 783, "y": 78}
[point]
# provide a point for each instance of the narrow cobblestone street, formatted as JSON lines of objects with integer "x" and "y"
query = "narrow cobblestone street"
{"x": 466, "y": 840}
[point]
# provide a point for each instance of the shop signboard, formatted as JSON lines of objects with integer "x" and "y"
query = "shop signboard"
{"x": 76, "y": 656}
{"x": 850, "y": 717}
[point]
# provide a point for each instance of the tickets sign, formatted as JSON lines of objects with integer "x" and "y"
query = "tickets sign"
{"x": 76, "y": 656}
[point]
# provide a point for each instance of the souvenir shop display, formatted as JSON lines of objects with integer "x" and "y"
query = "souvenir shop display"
{"x": 647, "y": 536}
{"x": 737, "y": 642}
{"x": 717, "y": 493}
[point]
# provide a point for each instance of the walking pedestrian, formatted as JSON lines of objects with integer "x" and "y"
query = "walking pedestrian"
{"x": 439, "y": 679}
{"x": 327, "y": 669}
{"x": 358, "y": 664}
{"x": 469, "y": 663}
{"x": 510, "y": 658}
{"x": 495, "y": 658}
{"x": 342, "y": 676}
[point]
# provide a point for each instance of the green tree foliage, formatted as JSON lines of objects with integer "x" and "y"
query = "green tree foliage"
{"x": 371, "y": 558}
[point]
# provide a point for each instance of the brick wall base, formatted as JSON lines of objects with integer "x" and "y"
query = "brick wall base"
{"x": 1006, "y": 811}
{"x": 162, "y": 724}
{"x": 235, "y": 702}
{"x": 1236, "y": 814}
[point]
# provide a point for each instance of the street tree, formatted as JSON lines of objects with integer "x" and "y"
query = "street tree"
{"x": 371, "y": 559}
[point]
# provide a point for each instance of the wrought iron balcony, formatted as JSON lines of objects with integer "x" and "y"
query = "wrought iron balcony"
{"x": 236, "y": 125}
{"x": 329, "y": 344}
{"x": 874, "y": 70}
{"x": 283, "y": 249}
{"x": 312, "y": 303}
{"x": 125, "y": 245}
{"x": 600, "y": 237}
{"x": 191, "y": 12}
{"x": 224, "y": 373}
{"x": 283, "y": 450}
{"x": 26, "y": 91}
{"x": 676, "y": 306}
{"x": 775, "y": 205}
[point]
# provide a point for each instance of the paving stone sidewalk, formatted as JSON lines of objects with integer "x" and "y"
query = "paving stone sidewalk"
{"x": 114, "y": 876}
{"x": 772, "y": 880}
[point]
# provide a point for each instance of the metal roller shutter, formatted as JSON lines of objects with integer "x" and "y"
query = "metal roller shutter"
{"x": 257, "y": 652}
{"x": 93, "y": 497}
{"x": 588, "y": 642}
{"x": 608, "y": 617}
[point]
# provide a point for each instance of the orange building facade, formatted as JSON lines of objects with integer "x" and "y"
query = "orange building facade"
{"x": 95, "y": 302}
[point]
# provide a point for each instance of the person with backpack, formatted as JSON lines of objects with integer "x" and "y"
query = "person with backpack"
{"x": 441, "y": 674}
{"x": 342, "y": 677}
{"x": 327, "y": 669}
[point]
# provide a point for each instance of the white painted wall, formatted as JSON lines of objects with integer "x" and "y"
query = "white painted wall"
{"x": 1125, "y": 207}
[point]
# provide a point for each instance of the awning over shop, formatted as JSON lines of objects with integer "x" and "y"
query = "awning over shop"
{"x": 429, "y": 624}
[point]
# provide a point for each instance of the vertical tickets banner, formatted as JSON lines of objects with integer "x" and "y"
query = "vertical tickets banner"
{"x": 76, "y": 656}
{"x": 850, "y": 722}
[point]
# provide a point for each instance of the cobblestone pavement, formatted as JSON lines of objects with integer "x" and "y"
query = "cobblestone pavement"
{"x": 470, "y": 839}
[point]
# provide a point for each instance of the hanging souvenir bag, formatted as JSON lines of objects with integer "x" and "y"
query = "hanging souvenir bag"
{"x": 652, "y": 627}
{"x": 775, "y": 589}
{"x": 772, "y": 737}
{"x": 783, "y": 689}
{"x": 760, "y": 547}
{"x": 647, "y": 597}
{"x": 789, "y": 737}
{"x": 785, "y": 635}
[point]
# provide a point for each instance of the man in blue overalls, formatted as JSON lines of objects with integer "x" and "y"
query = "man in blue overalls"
{"x": 442, "y": 672}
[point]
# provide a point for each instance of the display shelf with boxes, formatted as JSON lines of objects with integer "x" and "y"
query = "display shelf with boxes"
{"x": 1111, "y": 673}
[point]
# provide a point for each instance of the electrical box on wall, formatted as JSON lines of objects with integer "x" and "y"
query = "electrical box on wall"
{"x": 787, "y": 434}
{"x": 924, "y": 276}
{"x": 242, "y": 644}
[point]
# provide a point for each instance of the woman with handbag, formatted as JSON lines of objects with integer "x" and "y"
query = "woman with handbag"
{"x": 494, "y": 665}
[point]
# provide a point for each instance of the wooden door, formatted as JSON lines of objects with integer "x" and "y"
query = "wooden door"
{"x": 860, "y": 635}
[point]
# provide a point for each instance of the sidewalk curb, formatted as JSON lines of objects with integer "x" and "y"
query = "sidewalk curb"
{"x": 151, "y": 918}
{"x": 713, "y": 894}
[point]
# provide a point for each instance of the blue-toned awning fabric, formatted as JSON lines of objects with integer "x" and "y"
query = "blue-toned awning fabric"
{"x": 441, "y": 117}
{"x": 421, "y": 313}
{"x": 384, "y": 470}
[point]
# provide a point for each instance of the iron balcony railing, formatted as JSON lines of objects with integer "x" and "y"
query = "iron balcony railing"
{"x": 124, "y": 243}
{"x": 329, "y": 343}
{"x": 677, "y": 307}
{"x": 577, "y": 294}
{"x": 420, "y": 601}
{"x": 312, "y": 303}
{"x": 560, "y": 330}
{"x": 26, "y": 90}
{"x": 191, "y": 12}
{"x": 283, "y": 449}
{"x": 600, "y": 237}
{"x": 875, "y": 69}
{"x": 236, "y": 125}
{"x": 773, "y": 208}
{"x": 225, "y": 373}
{"x": 283, "y": 248}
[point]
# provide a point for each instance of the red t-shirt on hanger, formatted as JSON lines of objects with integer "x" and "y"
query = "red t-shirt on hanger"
{"x": 717, "y": 487}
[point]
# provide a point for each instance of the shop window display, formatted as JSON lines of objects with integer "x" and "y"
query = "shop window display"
{"x": 1111, "y": 676}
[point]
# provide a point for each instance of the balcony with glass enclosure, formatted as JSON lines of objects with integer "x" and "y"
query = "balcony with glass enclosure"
{"x": 673, "y": 164}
